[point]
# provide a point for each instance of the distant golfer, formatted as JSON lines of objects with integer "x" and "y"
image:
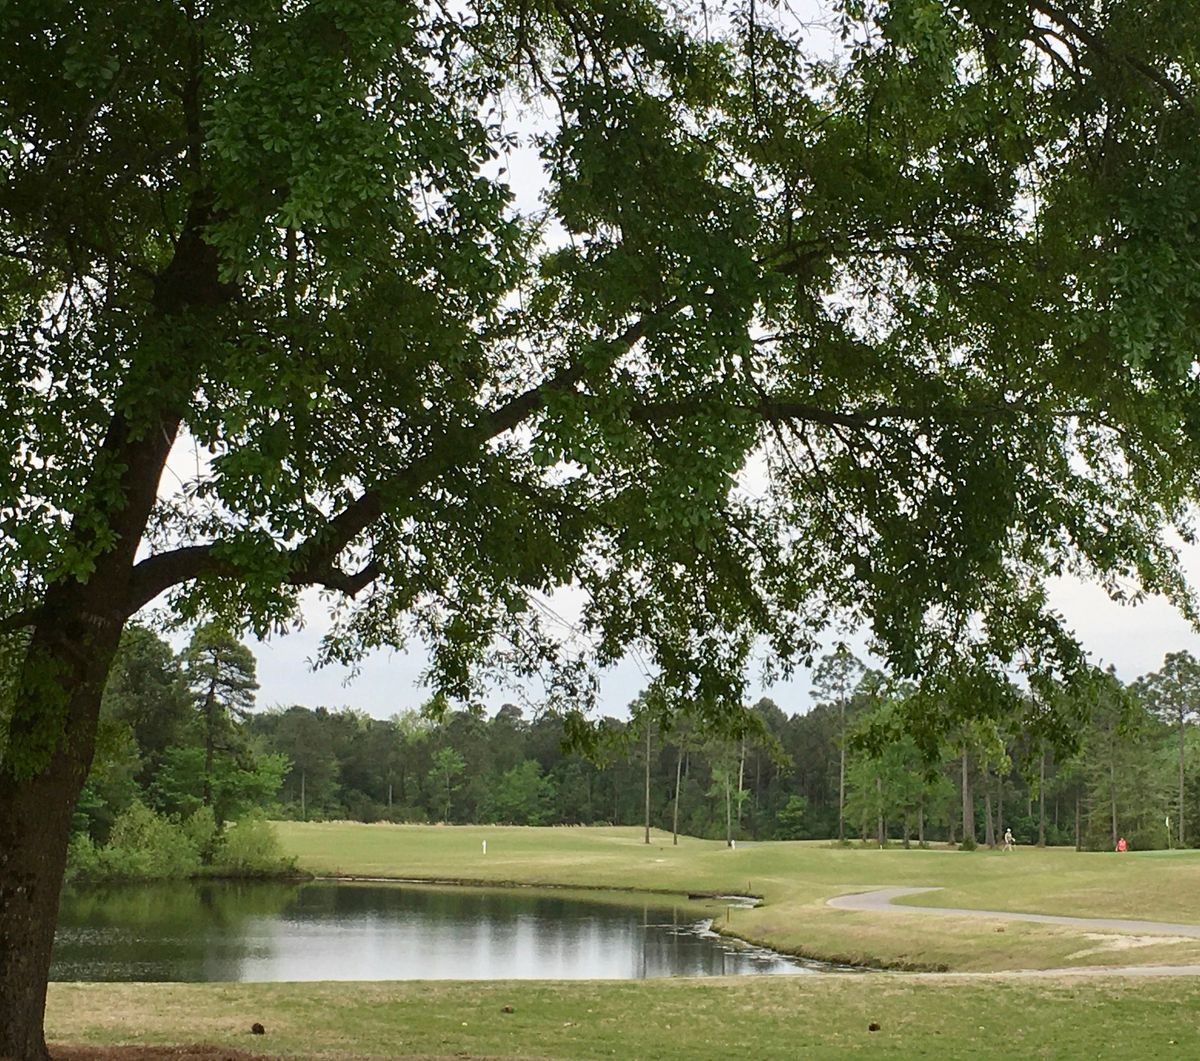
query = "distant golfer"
{"x": 1122, "y": 845}
{"x": 1008, "y": 840}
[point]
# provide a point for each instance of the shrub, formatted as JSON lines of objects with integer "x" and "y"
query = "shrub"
{"x": 200, "y": 827}
{"x": 142, "y": 845}
{"x": 251, "y": 848}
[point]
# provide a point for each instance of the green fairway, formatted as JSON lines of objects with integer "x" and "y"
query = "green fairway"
{"x": 796, "y": 879}
{"x": 751, "y": 1018}
{"x": 914, "y": 1015}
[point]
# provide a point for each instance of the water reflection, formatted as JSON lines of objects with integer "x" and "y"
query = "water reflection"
{"x": 341, "y": 931}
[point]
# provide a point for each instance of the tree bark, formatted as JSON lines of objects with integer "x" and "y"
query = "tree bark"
{"x": 728, "y": 810}
{"x": 842, "y": 770}
{"x": 1112, "y": 797}
{"x": 210, "y": 739}
{"x": 880, "y": 829}
{"x": 741, "y": 781}
{"x": 1182, "y": 736}
{"x": 1042, "y": 803}
{"x": 675, "y": 812}
{"x": 999, "y": 806}
{"x": 1079, "y": 835}
{"x": 968, "y": 802}
{"x": 62, "y": 679}
{"x": 647, "y": 840}
{"x": 989, "y": 825}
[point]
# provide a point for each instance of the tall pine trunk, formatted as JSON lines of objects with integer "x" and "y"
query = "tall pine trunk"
{"x": 1182, "y": 738}
{"x": 842, "y": 770}
{"x": 675, "y": 812}
{"x": 728, "y": 809}
{"x": 1042, "y": 803}
{"x": 968, "y": 801}
{"x": 1112, "y": 798}
{"x": 210, "y": 739}
{"x": 989, "y": 824}
{"x": 741, "y": 781}
{"x": 647, "y": 781}
{"x": 880, "y": 828}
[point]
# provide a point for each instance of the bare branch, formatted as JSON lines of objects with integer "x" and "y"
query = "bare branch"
{"x": 1098, "y": 44}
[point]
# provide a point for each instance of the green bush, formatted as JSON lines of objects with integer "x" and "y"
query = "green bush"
{"x": 143, "y": 845}
{"x": 201, "y": 829}
{"x": 251, "y": 848}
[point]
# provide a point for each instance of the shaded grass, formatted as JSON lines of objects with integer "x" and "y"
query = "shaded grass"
{"x": 762, "y": 1018}
{"x": 796, "y": 879}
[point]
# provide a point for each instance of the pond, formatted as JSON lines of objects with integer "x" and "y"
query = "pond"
{"x": 333, "y": 930}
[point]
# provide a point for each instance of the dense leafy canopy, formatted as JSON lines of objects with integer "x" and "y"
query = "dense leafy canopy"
{"x": 887, "y": 326}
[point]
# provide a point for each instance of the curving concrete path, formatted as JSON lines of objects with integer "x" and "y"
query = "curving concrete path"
{"x": 881, "y": 900}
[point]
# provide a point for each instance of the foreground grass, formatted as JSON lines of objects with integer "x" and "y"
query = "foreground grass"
{"x": 796, "y": 879}
{"x": 750, "y": 1017}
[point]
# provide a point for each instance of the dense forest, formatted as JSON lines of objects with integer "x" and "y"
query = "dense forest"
{"x": 182, "y": 734}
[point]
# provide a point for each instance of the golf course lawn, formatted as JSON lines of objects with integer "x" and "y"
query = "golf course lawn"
{"x": 796, "y": 879}
{"x": 991, "y": 1012}
{"x": 748, "y": 1018}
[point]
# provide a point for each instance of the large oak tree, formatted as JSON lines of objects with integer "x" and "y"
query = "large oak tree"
{"x": 272, "y": 321}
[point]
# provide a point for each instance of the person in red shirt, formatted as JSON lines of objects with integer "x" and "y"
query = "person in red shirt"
{"x": 1121, "y": 845}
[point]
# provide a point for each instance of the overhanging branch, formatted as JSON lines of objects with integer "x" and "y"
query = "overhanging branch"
{"x": 312, "y": 562}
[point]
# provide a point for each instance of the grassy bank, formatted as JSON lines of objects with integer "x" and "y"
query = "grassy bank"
{"x": 796, "y": 879}
{"x": 760, "y": 1017}
{"x": 886, "y": 1015}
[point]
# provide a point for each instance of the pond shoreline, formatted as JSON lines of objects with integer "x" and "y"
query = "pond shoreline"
{"x": 364, "y": 927}
{"x": 837, "y": 964}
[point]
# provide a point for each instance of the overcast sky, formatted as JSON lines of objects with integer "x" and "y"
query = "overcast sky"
{"x": 1133, "y": 639}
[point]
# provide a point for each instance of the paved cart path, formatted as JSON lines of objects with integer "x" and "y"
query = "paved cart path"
{"x": 882, "y": 900}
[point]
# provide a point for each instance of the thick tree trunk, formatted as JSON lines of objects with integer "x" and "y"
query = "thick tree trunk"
{"x": 52, "y": 734}
{"x": 62, "y": 680}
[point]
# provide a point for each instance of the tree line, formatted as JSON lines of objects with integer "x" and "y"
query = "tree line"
{"x": 181, "y": 734}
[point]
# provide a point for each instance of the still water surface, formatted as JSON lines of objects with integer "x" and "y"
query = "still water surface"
{"x": 329, "y": 930}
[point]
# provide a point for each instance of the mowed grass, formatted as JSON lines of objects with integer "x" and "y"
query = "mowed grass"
{"x": 796, "y": 879}
{"x": 759, "y": 1018}
{"x": 883, "y": 1015}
